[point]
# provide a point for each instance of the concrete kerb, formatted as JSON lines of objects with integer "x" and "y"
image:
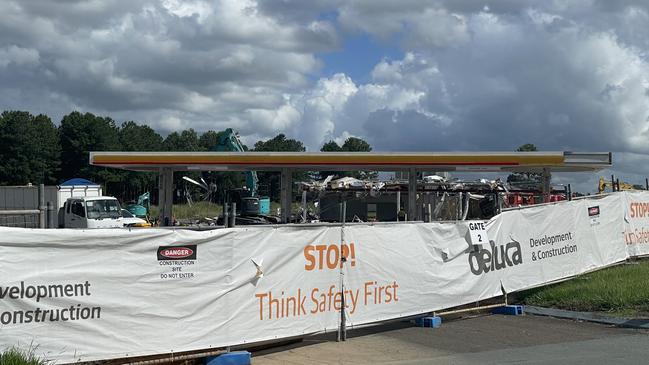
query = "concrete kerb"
{"x": 588, "y": 316}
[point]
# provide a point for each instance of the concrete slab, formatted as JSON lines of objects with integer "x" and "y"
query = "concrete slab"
{"x": 489, "y": 339}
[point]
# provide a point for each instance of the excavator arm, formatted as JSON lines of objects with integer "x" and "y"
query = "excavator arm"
{"x": 229, "y": 142}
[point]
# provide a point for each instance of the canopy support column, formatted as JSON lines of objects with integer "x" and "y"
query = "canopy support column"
{"x": 412, "y": 194}
{"x": 547, "y": 188}
{"x": 286, "y": 183}
{"x": 165, "y": 196}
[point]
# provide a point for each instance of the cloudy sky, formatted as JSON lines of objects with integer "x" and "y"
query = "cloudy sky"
{"x": 405, "y": 75}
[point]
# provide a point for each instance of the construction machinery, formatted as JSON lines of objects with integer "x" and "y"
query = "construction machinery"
{"x": 229, "y": 142}
{"x": 142, "y": 207}
{"x": 250, "y": 208}
{"x": 615, "y": 185}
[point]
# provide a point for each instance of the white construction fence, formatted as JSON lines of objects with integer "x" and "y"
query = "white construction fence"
{"x": 85, "y": 295}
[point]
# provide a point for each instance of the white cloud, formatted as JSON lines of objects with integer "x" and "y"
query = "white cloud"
{"x": 18, "y": 56}
{"x": 538, "y": 77}
{"x": 568, "y": 75}
{"x": 320, "y": 108}
{"x": 185, "y": 9}
{"x": 172, "y": 123}
{"x": 199, "y": 61}
{"x": 419, "y": 23}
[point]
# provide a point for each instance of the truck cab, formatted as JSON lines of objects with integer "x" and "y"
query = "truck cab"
{"x": 91, "y": 212}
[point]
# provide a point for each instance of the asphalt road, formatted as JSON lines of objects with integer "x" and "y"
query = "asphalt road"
{"x": 487, "y": 339}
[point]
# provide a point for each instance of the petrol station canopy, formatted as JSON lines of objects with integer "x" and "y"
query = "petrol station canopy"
{"x": 378, "y": 161}
{"x": 165, "y": 163}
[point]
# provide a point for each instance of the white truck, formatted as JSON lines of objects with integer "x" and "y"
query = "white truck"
{"x": 76, "y": 203}
{"x": 91, "y": 212}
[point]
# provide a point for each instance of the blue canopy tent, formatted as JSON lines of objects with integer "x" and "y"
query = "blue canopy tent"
{"x": 78, "y": 181}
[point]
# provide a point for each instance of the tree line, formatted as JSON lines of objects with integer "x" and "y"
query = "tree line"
{"x": 34, "y": 150}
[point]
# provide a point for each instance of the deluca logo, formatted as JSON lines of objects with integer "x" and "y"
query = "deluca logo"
{"x": 495, "y": 257}
{"x": 187, "y": 252}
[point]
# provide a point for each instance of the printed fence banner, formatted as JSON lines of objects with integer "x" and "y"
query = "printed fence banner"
{"x": 408, "y": 269}
{"x": 85, "y": 295}
{"x": 539, "y": 245}
{"x": 101, "y": 294}
{"x": 636, "y": 223}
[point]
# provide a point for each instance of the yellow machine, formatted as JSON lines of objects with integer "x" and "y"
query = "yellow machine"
{"x": 603, "y": 184}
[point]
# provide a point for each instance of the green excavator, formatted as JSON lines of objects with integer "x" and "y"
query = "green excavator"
{"x": 250, "y": 207}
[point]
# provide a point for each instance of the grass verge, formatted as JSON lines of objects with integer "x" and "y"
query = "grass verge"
{"x": 15, "y": 356}
{"x": 197, "y": 210}
{"x": 619, "y": 291}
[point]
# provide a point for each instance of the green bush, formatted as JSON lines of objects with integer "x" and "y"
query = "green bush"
{"x": 15, "y": 356}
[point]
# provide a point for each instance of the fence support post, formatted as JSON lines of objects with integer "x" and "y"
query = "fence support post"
{"x": 342, "y": 330}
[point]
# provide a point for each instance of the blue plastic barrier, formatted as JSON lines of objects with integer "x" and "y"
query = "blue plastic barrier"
{"x": 512, "y": 310}
{"x": 430, "y": 322}
{"x": 229, "y": 358}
